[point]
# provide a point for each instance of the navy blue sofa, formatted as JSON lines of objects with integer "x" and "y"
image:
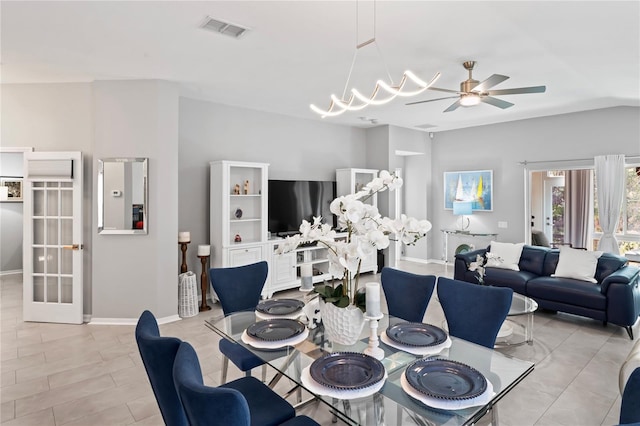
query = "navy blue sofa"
{"x": 615, "y": 298}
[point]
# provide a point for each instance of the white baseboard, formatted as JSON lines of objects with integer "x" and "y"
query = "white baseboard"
{"x": 17, "y": 271}
{"x": 415, "y": 260}
{"x": 130, "y": 321}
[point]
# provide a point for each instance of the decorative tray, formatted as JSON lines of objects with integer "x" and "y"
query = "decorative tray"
{"x": 280, "y": 306}
{"x": 275, "y": 329}
{"x": 416, "y": 334}
{"x": 445, "y": 379}
{"x": 347, "y": 370}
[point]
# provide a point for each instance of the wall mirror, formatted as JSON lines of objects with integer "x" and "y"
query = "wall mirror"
{"x": 122, "y": 196}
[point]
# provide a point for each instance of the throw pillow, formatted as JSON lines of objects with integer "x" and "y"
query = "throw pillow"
{"x": 577, "y": 264}
{"x": 504, "y": 255}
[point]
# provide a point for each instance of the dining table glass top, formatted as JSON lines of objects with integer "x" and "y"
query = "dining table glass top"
{"x": 503, "y": 373}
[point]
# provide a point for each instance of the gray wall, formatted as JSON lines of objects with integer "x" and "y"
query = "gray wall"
{"x": 500, "y": 147}
{"x": 10, "y": 217}
{"x": 294, "y": 148}
{"x": 136, "y": 272}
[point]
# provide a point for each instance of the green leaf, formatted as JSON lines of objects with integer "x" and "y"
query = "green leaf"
{"x": 343, "y": 302}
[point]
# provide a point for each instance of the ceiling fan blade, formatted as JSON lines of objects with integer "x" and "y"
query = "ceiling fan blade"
{"x": 496, "y": 102}
{"x": 431, "y": 100}
{"x": 445, "y": 90}
{"x": 534, "y": 89}
{"x": 453, "y": 106}
{"x": 490, "y": 82}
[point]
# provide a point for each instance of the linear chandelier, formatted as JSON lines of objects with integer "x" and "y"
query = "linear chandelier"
{"x": 357, "y": 100}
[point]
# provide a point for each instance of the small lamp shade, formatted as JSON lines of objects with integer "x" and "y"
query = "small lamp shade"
{"x": 462, "y": 207}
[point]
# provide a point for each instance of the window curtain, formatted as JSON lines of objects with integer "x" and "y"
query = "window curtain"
{"x": 610, "y": 185}
{"x": 578, "y": 212}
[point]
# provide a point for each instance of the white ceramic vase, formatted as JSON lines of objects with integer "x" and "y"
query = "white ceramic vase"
{"x": 342, "y": 325}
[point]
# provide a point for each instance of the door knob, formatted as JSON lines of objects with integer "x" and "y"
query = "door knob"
{"x": 72, "y": 247}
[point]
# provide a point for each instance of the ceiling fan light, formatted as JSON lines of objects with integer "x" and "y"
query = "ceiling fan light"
{"x": 469, "y": 100}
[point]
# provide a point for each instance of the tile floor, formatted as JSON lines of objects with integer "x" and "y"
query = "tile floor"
{"x": 55, "y": 374}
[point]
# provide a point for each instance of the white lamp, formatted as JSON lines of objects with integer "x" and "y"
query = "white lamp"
{"x": 462, "y": 209}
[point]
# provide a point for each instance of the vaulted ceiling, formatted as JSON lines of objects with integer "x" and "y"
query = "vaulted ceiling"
{"x": 295, "y": 53}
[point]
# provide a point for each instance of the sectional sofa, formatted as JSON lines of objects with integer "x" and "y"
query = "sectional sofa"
{"x": 614, "y": 296}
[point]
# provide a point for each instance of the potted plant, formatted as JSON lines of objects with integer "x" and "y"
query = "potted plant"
{"x": 364, "y": 231}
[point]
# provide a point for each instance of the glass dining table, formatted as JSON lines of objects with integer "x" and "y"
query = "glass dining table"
{"x": 391, "y": 404}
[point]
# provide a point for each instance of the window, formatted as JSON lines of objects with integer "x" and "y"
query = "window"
{"x": 628, "y": 232}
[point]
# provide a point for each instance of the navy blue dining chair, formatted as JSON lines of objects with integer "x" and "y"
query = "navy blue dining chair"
{"x": 238, "y": 289}
{"x": 242, "y": 402}
{"x": 630, "y": 407}
{"x": 158, "y": 354}
{"x": 474, "y": 312}
{"x": 407, "y": 294}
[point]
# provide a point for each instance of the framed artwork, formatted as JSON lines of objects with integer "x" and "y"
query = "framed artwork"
{"x": 475, "y": 186}
{"x": 11, "y": 189}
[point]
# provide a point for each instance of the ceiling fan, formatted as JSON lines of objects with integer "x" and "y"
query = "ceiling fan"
{"x": 472, "y": 92}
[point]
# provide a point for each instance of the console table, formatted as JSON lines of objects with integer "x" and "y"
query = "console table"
{"x": 472, "y": 239}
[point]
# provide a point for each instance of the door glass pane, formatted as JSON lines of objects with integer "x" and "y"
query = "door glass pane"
{"x": 52, "y": 203}
{"x": 66, "y": 184}
{"x": 66, "y": 290}
{"x": 558, "y": 214}
{"x": 66, "y": 231}
{"x": 38, "y": 289}
{"x": 52, "y": 260}
{"x": 38, "y": 261}
{"x": 52, "y": 232}
{"x": 66, "y": 261}
{"x": 52, "y": 184}
{"x": 38, "y": 231}
{"x": 52, "y": 289}
{"x": 38, "y": 202}
{"x": 66, "y": 203}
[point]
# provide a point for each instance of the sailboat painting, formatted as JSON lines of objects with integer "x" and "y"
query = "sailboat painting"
{"x": 475, "y": 186}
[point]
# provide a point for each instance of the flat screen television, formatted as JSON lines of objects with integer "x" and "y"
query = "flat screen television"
{"x": 291, "y": 201}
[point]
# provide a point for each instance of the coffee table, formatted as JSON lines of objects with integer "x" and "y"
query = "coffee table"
{"x": 512, "y": 332}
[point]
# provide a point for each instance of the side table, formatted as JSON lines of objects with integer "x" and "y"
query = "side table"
{"x": 515, "y": 333}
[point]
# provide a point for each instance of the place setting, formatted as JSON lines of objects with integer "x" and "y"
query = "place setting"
{"x": 344, "y": 375}
{"x": 279, "y": 309}
{"x": 446, "y": 384}
{"x": 416, "y": 338}
{"x": 275, "y": 333}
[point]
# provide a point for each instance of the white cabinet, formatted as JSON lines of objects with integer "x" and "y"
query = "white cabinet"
{"x": 244, "y": 256}
{"x": 352, "y": 180}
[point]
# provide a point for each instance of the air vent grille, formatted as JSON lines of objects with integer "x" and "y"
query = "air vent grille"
{"x": 222, "y": 27}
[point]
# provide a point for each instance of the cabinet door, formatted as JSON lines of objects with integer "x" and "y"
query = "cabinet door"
{"x": 283, "y": 268}
{"x": 244, "y": 256}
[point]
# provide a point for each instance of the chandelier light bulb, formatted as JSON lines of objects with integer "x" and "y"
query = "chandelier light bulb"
{"x": 469, "y": 100}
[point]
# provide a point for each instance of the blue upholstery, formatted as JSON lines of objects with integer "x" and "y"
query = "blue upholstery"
{"x": 614, "y": 298}
{"x": 407, "y": 294}
{"x": 630, "y": 408}
{"x": 474, "y": 312}
{"x": 158, "y": 354}
{"x": 239, "y": 289}
{"x": 242, "y": 402}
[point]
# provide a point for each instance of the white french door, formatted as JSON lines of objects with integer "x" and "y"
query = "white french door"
{"x": 554, "y": 203}
{"x": 52, "y": 240}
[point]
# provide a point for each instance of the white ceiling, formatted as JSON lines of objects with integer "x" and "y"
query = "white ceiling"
{"x": 587, "y": 53}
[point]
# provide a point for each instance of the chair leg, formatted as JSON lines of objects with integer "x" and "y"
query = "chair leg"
{"x": 264, "y": 373}
{"x": 629, "y": 331}
{"x": 247, "y": 373}
{"x": 225, "y": 367}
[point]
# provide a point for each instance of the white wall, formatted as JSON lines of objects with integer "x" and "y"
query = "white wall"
{"x": 136, "y": 272}
{"x": 294, "y": 148}
{"x": 500, "y": 147}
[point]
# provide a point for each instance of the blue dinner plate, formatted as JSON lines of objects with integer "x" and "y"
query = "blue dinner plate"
{"x": 445, "y": 379}
{"x": 275, "y": 329}
{"x": 280, "y": 306}
{"x": 416, "y": 334}
{"x": 347, "y": 370}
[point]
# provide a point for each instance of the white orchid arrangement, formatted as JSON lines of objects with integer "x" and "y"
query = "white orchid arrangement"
{"x": 481, "y": 262}
{"x": 366, "y": 231}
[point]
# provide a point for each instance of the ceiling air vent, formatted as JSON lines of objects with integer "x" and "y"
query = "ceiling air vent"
{"x": 222, "y": 27}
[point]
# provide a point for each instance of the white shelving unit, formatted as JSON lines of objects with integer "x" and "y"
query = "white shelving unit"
{"x": 285, "y": 268}
{"x": 352, "y": 180}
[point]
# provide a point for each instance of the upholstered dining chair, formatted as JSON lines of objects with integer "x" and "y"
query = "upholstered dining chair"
{"x": 238, "y": 289}
{"x": 241, "y": 402}
{"x": 158, "y": 354}
{"x": 407, "y": 294}
{"x": 630, "y": 406}
{"x": 474, "y": 312}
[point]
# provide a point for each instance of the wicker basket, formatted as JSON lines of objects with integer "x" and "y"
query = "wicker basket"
{"x": 187, "y": 295}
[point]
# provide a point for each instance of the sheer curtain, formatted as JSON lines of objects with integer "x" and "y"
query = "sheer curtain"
{"x": 610, "y": 184}
{"x": 578, "y": 213}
